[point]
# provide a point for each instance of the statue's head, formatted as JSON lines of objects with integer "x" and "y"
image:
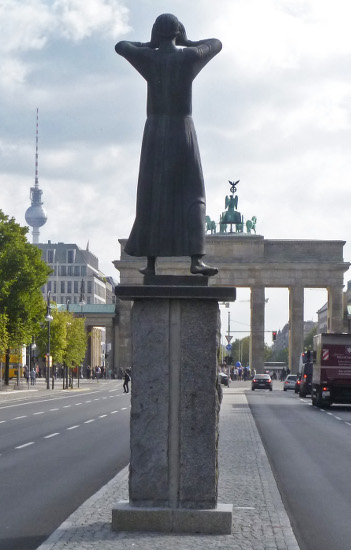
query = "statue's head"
{"x": 166, "y": 25}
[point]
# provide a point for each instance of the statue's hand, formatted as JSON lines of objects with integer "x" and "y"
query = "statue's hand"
{"x": 182, "y": 39}
{"x": 154, "y": 42}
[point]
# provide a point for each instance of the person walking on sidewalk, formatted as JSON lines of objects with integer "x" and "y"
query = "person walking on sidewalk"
{"x": 126, "y": 379}
{"x": 33, "y": 376}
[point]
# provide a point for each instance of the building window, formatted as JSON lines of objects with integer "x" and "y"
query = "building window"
{"x": 49, "y": 286}
{"x": 89, "y": 287}
{"x": 76, "y": 270}
{"x": 76, "y": 287}
{"x": 50, "y": 256}
{"x": 70, "y": 270}
{"x": 70, "y": 256}
{"x": 69, "y": 287}
{"x": 55, "y": 286}
{"x": 83, "y": 270}
{"x": 62, "y": 287}
{"x": 63, "y": 271}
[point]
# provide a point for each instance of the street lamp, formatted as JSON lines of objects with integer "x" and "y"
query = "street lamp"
{"x": 81, "y": 303}
{"x": 48, "y": 318}
{"x": 31, "y": 356}
{"x": 65, "y": 364}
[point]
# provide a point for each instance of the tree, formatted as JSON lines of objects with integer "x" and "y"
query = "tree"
{"x": 68, "y": 338}
{"x": 22, "y": 274}
{"x": 308, "y": 342}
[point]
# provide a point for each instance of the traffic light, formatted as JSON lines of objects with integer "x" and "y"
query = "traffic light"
{"x": 274, "y": 335}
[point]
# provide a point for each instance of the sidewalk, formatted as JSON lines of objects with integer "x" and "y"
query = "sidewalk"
{"x": 245, "y": 480}
{"x": 39, "y": 389}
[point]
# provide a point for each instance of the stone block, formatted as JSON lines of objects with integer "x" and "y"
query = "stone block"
{"x": 132, "y": 518}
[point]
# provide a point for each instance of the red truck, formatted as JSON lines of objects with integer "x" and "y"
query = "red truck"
{"x": 331, "y": 380}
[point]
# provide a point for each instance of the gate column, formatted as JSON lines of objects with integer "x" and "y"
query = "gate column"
{"x": 257, "y": 328}
{"x": 335, "y": 309}
{"x": 296, "y": 335}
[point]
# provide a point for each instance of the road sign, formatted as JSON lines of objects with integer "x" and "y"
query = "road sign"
{"x": 228, "y": 347}
{"x": 228, "y": 338}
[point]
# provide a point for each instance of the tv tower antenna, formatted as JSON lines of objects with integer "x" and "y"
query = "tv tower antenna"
{"x": 35, "y": 215}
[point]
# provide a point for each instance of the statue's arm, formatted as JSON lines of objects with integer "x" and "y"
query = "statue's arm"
{"x": 213, "y": 44}
{"x": 125, "y": 46}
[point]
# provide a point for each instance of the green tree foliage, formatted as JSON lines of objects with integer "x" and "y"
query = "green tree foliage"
{"x": 308, "y": 342}
{"x": 22, "y": 274}
{"x": 68, "y": 338}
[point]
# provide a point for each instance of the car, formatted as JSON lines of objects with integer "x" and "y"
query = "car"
{"x": 290, "y": 382}
{"x": 223, "y": 378}
{"x": 305, "y": 387}
{"x": 297, "y": 384}
{"x": 261, "y": 381}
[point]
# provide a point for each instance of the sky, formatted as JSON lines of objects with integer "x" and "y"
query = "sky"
{"x": 273, "y": 109}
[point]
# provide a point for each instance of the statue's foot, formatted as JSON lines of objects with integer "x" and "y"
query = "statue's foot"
{"x": 202, "y": 269}
{"x": 148, "y": 271}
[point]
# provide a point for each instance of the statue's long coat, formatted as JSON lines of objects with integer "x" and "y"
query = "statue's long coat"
{"x": 171, "y": 207}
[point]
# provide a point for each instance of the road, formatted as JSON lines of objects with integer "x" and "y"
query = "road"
{"x": 56, "y": 450}
{"x": 310, "y": 454}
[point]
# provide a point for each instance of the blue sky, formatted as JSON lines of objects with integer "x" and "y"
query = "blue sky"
{"x": 273, "y": 109}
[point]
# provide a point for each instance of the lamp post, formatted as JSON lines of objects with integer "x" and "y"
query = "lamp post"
{"x": 48, "y": 318}
{"x": 66, "y": 366}
{"x": 31, "y": 356}
{"x": 81, "y": 303}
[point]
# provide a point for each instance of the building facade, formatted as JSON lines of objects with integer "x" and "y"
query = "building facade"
{"x": 75, "y": 275}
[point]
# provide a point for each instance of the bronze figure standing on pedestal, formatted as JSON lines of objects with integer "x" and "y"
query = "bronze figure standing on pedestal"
{"x": 171, "y": 205}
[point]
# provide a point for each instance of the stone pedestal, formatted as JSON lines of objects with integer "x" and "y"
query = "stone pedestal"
{"x": 174, "y": 410}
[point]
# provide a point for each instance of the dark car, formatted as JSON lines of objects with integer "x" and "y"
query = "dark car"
{"x": 297, "y": 384}
{"x": 305, "y": 387}
{"x": 262, "y": 381}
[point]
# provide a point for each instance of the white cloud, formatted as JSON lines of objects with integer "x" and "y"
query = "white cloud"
{"x": 78, "y": 20}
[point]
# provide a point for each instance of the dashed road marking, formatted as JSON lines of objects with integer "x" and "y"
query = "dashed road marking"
{"x": 41, "y": 412}
{"x": 18, "y": 417}
{"x": 51, "y": 435}
{"x": 102, "y": 415}
{"x": 53, "y": 410}
{"x": 88, "y": 421}
{"x": 25, "y": 445}
{"x": 73, "y": 427}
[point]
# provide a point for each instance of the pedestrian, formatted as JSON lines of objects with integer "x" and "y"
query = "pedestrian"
{"x": 126, "y": 379}
{"x": 33, "y": 376}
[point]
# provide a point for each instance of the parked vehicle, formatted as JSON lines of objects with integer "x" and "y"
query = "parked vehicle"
{"x": 290, "y": 382}
{"x": 223, "y": 378}
{"x": 262, "y": 381}
{"x": 305, "y": 387}
{"x": 331, "y": 379}
{"x": 297, "y": 383}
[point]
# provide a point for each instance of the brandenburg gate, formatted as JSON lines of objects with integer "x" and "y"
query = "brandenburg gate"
{"x": 248, "y": 260}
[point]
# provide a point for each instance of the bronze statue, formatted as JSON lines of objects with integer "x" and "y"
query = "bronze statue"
{"x": 171, "y": 208}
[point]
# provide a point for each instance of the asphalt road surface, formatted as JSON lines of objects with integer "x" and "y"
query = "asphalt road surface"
{"x": 55, "y": 452}
{"x": 310, "y": 454}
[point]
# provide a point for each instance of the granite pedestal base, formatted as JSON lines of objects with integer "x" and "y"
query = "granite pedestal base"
{"x": 166, "y": 520}
{"x": 174, "y": 412}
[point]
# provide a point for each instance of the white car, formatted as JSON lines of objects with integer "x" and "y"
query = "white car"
{"x": 290, "y": 382}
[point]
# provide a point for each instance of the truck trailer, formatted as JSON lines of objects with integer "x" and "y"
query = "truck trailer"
{"x": 331, "y": 379}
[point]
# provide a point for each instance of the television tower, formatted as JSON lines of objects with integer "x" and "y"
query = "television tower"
{"x": 35, "y": 215}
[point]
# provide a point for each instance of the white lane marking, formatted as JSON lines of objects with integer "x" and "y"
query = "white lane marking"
{"x": 18, "y": 417}
{"x": 25, "y": 445}
{"x": 330, "y": 414}
{"x": 348, "y": 423}
{"x": 88, "y": 421}
{"x": 44, "y": 400}
{"x": 103, "y": 416}
{"x": 51, "y": 435}
{"x": 113, "y": 412}
{"x": 97, "y": 399}
{"x": 76, "y": 404}
{"x": 2, "y": 421}
{"x": 337, "y": 418}
{"x": 73, "y": 427}
{"x": 88, "y": 401}
{"x": 41, "y": 412}
{"x": 54, "y": 410}
{"x": 124, "y": 408}
{"x": 66, "y": 406}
